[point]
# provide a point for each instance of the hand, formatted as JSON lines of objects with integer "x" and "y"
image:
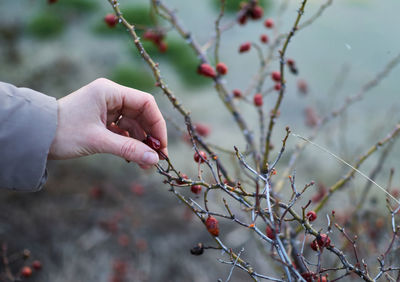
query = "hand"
{"x": 87, "y": 121}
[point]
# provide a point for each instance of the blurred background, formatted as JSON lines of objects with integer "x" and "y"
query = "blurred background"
{"x": 98, "y": 216}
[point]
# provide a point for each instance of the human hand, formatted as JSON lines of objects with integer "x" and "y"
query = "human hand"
{"x": 87, "y": 121}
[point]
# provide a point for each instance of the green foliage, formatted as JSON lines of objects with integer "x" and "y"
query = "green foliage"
{"x": 135, "y": 76}
{"x": 78, "y": 5}
{"x": 101, "y": 28}
{"x": 185, "y": 62}
{"x": 46, "y": 25}
{"x": 232, "y": 6}
{"x": 138, "y": 15}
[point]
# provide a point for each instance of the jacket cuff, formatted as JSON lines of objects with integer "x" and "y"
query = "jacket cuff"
{"x": 28, "y": 122}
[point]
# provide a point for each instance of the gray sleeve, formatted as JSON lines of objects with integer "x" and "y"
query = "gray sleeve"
{"x": 28, "y": 122}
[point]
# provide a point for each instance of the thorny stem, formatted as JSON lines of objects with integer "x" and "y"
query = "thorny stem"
{"x": 337, "y": 112}
{"x": 339, "y": 184}
{"x": 223, "y": 93}
{"x": 275, "y": 110}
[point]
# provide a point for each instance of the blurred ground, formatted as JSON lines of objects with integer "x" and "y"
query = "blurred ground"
{"x": 75, "y": 232}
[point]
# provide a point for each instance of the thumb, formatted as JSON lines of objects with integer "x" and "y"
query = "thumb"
{"x": 128, "y": 148}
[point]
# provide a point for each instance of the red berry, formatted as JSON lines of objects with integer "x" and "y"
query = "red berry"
{"x": 199, "y": 159}
{"x": 314, "y": 245}
{"x": 222, "y": 68}
{"x": 243, "y": 19}
{"x": 149, "y": 35}
{"x": 322, "y": 279}
{"x": 51, "y": 1}
{"x": 183, "y": 176}
{"x": 323, "y": 240}
{"x": 120, "y": 266}
{"x": 264, "y": 38}
{"x": 312, "y": 118}
{"x": 311, "y": 215}
{"x": 290, "y": 62}
{"x": 123, "y": 240}
{"x": 244, "y": 47}
{"x": 258, "y": 99}
{"x": 277, "y": 86}
{"x": 257, "y": 13}
{"x": 152, "y": 142}
{"x": 36, "y": 264}
{"x": 202, "y": 129}
{"x": 196, "y": 189}
{"x": 26, "y": 271}
{"x": 212, "y": 225}
{"x": 206, "y": 70}
{"x": 276, "y": 76}
{"x": 308, "y": 276}
{"x": 162, "y": 47}
{"x": 270, "y": 233}
{"x": 137, "y": 189}
{"x": 111, "y": 20}
{"x": 269, "y": 23}
{"x": 302, "y": 86}
{"x": 96, "y": 192}
{"x": 237, "y": 93}
{"x": 141, "y": 244}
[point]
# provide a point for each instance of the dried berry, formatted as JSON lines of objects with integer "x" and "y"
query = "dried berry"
{"x": 269, "y": 23}
{"x": 244, "y": 47}
{"x": 222, "y": 68}
{"x": 314, "y": 245}
{"x": 264, "y": 38}
{"x": 212, "y": 225}
{"x": 290, "y": 62}
{"x": 197, "y": 250}
{"x": 258, "y": 100}
{"x": 152, "y": 142}
{"x": 270, "y": 233}
{"x": 51, "y": 1}
{"x": 276, "y": 76}
{"x": 200, "y": 157}
{"x": 311, "y": 215}
{"x": 111, "y": 20}
{"x": 257, "y": 13}
{"x": 206, "y": 70}
{"x": 196, "y": 189}
{"x": 242, "y": 19}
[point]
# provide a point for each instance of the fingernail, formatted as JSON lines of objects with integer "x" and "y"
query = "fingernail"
{"x": 150, "y": 158}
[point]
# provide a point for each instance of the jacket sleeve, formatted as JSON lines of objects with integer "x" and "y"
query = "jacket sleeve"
{"x": 28, "y": 122}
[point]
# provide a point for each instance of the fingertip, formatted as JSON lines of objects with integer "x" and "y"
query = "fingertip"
{"x": 150, "y": 158}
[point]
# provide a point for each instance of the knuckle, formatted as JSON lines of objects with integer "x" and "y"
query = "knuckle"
{"x": 102, "y": 80}
{"x": 128, "y": 150}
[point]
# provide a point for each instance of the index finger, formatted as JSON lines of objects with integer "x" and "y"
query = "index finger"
{"x": 142, "y": 106}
